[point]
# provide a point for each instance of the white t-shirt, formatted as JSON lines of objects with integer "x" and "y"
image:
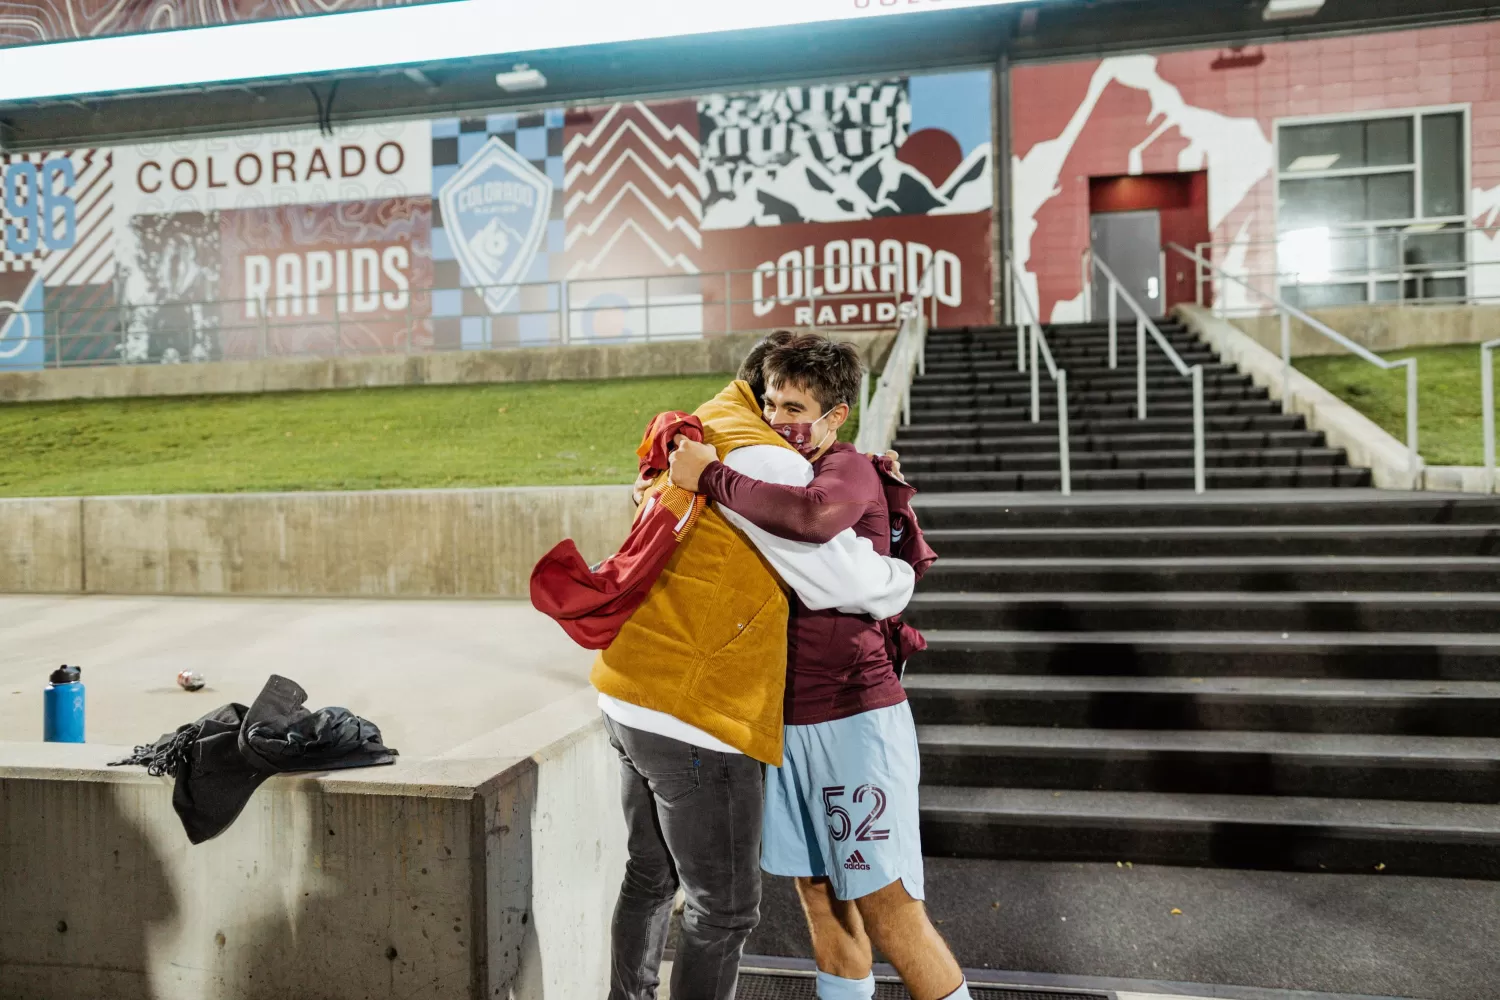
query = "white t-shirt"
{"x": 845, "y": 573}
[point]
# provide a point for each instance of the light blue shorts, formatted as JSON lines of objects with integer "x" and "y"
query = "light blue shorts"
{"x": 844, "y": 804}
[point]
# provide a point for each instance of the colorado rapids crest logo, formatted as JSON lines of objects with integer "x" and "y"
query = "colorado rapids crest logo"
{"x": 495, "y": 210}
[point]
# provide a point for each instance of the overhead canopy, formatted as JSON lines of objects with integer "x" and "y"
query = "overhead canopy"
{"x": 442, "y": 58}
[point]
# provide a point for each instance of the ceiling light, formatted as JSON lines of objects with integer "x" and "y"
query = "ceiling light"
{"x": 1282, "y": 10}
{"x": 521, "y": 77}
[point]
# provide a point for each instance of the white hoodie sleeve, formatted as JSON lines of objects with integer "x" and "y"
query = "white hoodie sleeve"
{"x": 844, "y": 573}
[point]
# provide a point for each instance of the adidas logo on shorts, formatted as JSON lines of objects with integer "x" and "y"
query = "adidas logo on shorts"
{"x": 857, "y": 863}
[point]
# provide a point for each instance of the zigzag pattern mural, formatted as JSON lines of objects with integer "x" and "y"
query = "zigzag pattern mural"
{"x": 634, "y": 183}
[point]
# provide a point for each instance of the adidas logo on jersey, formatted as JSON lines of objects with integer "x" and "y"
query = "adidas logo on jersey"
{"x": 857, "y": 863}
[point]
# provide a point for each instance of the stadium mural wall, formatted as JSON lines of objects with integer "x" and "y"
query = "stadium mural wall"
{"x": 825, "y": 202}
{"x": 1217, "y": 111}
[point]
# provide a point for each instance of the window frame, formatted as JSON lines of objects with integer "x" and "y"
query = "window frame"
{"x": 1375, "y": 276}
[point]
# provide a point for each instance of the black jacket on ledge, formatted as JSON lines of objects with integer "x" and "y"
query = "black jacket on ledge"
{"x": 220, "y": 760}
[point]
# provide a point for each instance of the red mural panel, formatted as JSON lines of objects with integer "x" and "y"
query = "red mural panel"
{"x": 853, "y": 269}
{"x": 347, "y": 278}
{"x": 1191, "y": 111}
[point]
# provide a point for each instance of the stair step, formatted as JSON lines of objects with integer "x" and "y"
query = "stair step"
{"x": 1182, "y": 409}
{"x": 1179, "y": 392}
{"x": 1329, "y": 765}
{"x": 1268, "y": 704}
{"x": 1079, "y": 444}
{"x": 1353, "y": 610}
{"x": 1471, "y": 575}
{"x": 915, "y": 466}
{"x": 979, "y": 383}
{"x": 967, "y": 434}
{"x": 1329, "y": 540}
{"x": 1243, "y": 831}
{"x": 1269, "y": 478}
{"x": 1199, "y": 653}
{"x": 1222, "y": 508}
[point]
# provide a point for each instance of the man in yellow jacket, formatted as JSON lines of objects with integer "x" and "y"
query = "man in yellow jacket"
{"x": 692, "y": 694}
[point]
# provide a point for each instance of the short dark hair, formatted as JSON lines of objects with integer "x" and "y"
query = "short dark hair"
{"x": 830, "y": 372}
{"x": 753, "y": 368}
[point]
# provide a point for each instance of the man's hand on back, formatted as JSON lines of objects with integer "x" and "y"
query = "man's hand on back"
{"x": 638, "y": 491}
{"x": 688, "y": 460}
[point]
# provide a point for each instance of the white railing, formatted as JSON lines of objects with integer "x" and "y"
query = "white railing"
{"x": 1031, "y": 341}
{"x": 1144, "y": 325}
{"x": 1487, "y": 382}
{"x": 376, "y": 321}
{"x": 1389, "y": 264}
{"x": 1287, "y": 312}
{"x": 889, "y": 407}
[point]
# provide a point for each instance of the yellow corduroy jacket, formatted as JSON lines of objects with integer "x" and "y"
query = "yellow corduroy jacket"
{"x": 708, "y": 645}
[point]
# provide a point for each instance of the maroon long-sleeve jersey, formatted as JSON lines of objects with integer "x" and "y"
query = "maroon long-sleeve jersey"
{"x": 838, "y": 664}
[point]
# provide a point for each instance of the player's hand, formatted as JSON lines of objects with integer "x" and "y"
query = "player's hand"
{"x": 895, "y": 457}
{"x": 688, "y": 460}
{"x": 638, "y": 491}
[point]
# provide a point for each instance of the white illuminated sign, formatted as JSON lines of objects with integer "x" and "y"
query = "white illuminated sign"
{"x": 399, "y": 35}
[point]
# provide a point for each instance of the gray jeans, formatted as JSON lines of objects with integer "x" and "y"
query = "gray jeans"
{"x": 694, "y": 820}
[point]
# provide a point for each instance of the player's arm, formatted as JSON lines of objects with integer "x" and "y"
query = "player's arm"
{"x": 844, "y": 572}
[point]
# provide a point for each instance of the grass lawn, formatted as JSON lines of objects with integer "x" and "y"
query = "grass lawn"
{"x": 544, "y": 433}
{"x": 1449, "y": 412}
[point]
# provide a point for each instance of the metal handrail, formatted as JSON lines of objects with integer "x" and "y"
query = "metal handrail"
{"x": 1398, "y": 271}
{"x": 1038, "y": 344}
{"x": 322, "y": 323}
{"x": 1287, "y": 312}
{"x": 1143, "y": 325}
{"x": 889, "y": 406}
{"x": 1487, "y": 383}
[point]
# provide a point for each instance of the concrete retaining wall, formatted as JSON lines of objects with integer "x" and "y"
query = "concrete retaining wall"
{"x": 1367, "y": 444}
{"x": 533, "y": 364}
{"x": 397, "y": 543}
{"x": 1380, "y": 328}
{"x": 466, "y": 876}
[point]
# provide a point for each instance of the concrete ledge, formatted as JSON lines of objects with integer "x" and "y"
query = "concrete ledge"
{"x": 391, "y": 543}
{"x": 41, "y": 545}
{"x": 470, "y": 877}
{"x": 527, "y": 364}
{"x": 1457, "y": 479}
{"x": 1379, "y": 327}
{"x": 1367, "y": 444}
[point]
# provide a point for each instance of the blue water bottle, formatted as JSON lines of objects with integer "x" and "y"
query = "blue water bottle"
{"x": 62, "y": 706}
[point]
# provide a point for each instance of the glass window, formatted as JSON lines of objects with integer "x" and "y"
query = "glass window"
{"x": 1435, "y": 249}
{"x": 1323, "y": 147}
{"x": 1390, "y": 196}
{"x": 1388, "y": 142}
{"x": 1322, "y": 201}
{"x": 1380, "y": 142}
{"x": 1442, "y": 165}
{"x": 1322, "y": 296}
{"x": 1382, "y": 214}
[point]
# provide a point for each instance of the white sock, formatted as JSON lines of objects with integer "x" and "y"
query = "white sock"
{"x": 962, "y": 993}
{"x": 835, "y": 988}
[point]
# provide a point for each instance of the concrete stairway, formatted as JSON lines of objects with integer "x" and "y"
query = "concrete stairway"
{"x": 1294, "y": 680}
{"x": 971, "y": 423}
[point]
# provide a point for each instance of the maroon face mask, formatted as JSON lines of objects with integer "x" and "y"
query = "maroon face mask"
{"x": 802, "y": 437}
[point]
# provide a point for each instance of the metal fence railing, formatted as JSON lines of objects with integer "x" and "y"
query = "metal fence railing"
{"x": 1287, "y": 312}
{"x": 1397, "y": 264}
{"x": 318, "y": 321}
{"x": 889, "y": 406}
{"x": 1144, "y": 325}
{"x": 1031, "y": 345}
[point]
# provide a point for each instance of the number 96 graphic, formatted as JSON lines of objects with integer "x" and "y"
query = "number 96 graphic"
{"x": 39, "y": 206}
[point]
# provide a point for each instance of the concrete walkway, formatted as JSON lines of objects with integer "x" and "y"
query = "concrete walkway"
{"x": 431, "y": 674}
